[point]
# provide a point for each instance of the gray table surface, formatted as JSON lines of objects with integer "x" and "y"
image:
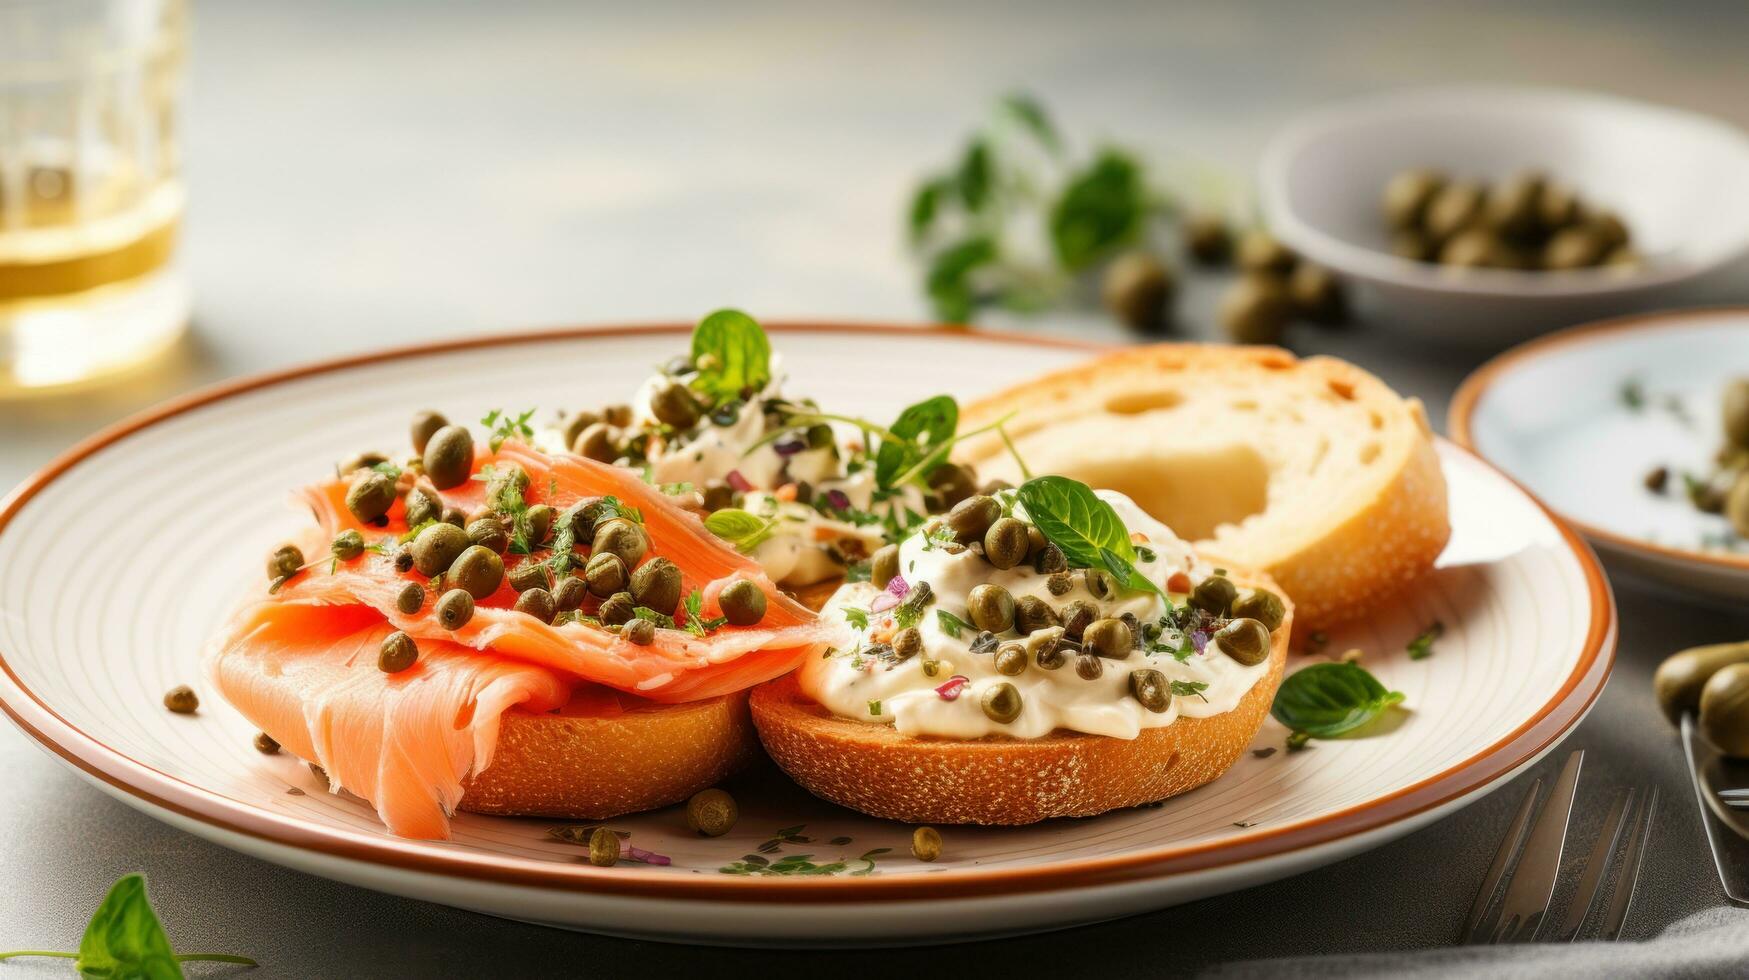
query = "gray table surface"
{"x": 369, "y": 174}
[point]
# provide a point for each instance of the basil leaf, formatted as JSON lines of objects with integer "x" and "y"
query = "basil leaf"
{"x": 1326, "y": 700}
{"x": 125, "y": 938}
{"x": 1032, "y": 116}
{"x": 1087, "y": 529}
{"x": 924, "y": 207}
{"x": 950, "y": 277}
{"x": 732, "y": 354}
{"x": 1102, "y": 208}
{"x": 975, "y": 176}
{"x": 738, "y": 527}
{"x": 924, "y": 426}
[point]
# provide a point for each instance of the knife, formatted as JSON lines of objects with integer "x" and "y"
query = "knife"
{"x": 1727, "y": 829}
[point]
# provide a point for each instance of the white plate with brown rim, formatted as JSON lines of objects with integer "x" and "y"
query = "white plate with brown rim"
{"x": 1529, "y": 638}
{"x": 1583, "y": 418}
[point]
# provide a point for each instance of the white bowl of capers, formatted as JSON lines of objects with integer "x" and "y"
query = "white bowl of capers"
{"x": 1488, "y": 214}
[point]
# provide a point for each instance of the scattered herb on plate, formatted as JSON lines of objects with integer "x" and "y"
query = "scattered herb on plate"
{"x": 1421, "y": 647}
{"x": 1330, "y": 699}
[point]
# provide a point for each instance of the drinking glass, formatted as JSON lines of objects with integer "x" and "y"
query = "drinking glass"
{"x": 91, "y": 194}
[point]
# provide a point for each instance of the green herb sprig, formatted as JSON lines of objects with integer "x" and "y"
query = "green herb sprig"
{"x": 742, "y": 529}
{"x": 125, "y": 939}
{"x": 1331, "y": 699}
{"x": 731, "y": 354}
{"x": 1421, "y": 647}
{"x": 503, "y": 427}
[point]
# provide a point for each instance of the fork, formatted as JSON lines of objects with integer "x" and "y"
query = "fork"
{"x": 1529, "y": 861}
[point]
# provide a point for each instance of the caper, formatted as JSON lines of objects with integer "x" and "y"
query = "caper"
{"x": 1259, "y": 251}
{"x": 437, "y": 547}
{"x": 1109, "y": 638}
{"x": 883, "y": 566}
{"x": 1207, "y": 239}
{"x": 538, "y": 603}
{"x": 1001, "y": 703}
{"x": 422, "y": 507}
{"x": 656, "y": 585}
{"x": 596, "y": 442}
{"x": 1060, "y": 583}
{"x": 1077, "y": 616}
{"x": 907, "y": 643}
{"x": 488, "y": 532}
{"x": 540, "y": 524}
{"x": 370, "y": 496}
{"x": 182, "y": 700}
{"x": 1262, "y": 605}
{"x": 347, "y": 545}
{"x": 529, "y": 575}
{"x": 618, "y": 415}
{"x": 1572, "y": 248}
{"x": 570, "y": 593}
{"x": 410, "y": 599}
{"x": 1514, "y": 205}
{"x": 1005, "y": 543}
{"x": 971, "y": 517}
{"x": 639, "y": 631}
{"x": 1412, "y": 245}
{"x": 1609, "y": 228}
{"x": 456, "y": 516}
{"x": 1736, "y": 412}
{"x": 952, "y": 483}
{"x": 575, "y": 423}
{"x": 926, "y": 843}
{"x": 603, "y": 848}
{"x": 1623, "y": 258}
{"x": 1245, "y": 640}
{"x": 397, "y": 653}
{"x": 618, "y": 609}
{"x": 404, "y": 559}
{"x": 1558, "y": 207}
{"x": 449, "y": 456}
{"x": 425, "y": 425}
{"x": 1474, "y": 248}
{"x": 1679, "y": 679}
{"x": 1255, "y": 309}
{"x": 1137, "y": 288}
{"x": 1214, "y": 594}
{"x": 1101, "y": 584}
{"x": 1724, "y": 710}
{"x": 717, "y": 495}
{"x": 606, "y": 574}
{"x": 1737, "y": 505}
{"x": 711, "y": 813}
{"x": 1010, "y": 659}
{"x": 1047, "y": 647}
{"x": 1049, "y": 560}
{"x": 742, "y": 602}
{"x": 1452, "y": 209}
{"x": 455, "y": 609}
{"x": 266, "y": 744}
{"x": 1088, "y": 667}
{"x": 1032, "y": 613}
{"x": 1151, "y": 688}
{"x": 990, "y": 607}
{"x": 285, "y": 560}
{"x": 1316, "y": 294}
{"x": 1408, "y": 194}
{"x": 478, "y": 570}
{"x": 621, "y": 537}
{"x": 674, "y": 404}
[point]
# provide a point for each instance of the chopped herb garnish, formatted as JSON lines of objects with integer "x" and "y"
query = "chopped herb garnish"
{"x": 1185, "y": 689}
{"x": 857, "y": 618}
{"x": 1421, "y": 647}
{"x": 503, "y": 427}
{"x": 740, "y": 528}
{"x": 1633, "y": 394}
{"x": 874, "y": 706}
{"x": 696, "y": 624}
{"x": 950, "y": 624}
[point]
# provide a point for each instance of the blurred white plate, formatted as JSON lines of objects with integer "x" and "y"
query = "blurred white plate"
{"x": 105, "y": 606}
{"x": 1554, "y": 414}
{"x": 1678, "y": 180}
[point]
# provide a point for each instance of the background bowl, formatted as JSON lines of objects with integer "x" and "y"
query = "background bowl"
{"x": 1678, "y": 180}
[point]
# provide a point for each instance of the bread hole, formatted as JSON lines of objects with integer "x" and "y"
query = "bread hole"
{"x": 1191, "y": 491}
{"x": 1137, "y": 402}
{"x": 1343, "y": 389}
{"x": 1377, "y": 420}
{"x": 1369, "y": 452}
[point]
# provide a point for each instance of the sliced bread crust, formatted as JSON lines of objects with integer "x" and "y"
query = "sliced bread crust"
{"x": 1311, "y": 470}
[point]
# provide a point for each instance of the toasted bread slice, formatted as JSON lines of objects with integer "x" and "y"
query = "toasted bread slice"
{"x": 1310, "y": 470}
{"x": 587, "y": 762}
{"x": 997, "y": 780}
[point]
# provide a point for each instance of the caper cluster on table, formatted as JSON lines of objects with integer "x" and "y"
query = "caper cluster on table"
{"x": 1712, "y": 682}
{"x": 1527, "y": 221}
{"x": 464, "y": 555}
{"x": 1024, "y": 632}
{"x": 1725, "y": 490}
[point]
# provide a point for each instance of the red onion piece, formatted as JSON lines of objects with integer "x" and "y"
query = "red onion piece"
{"x": 897, "y": 587}
{"x": 648, "y": 857}
{"x": 737, "y": 481}
{"x": 883, "y": 602}
{"x": 838, "y": 499}
{"x": 955, "y": 684}
{"x": 788, "y": 449}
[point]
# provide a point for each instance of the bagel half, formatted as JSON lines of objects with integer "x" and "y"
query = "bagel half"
{"x": 584, "y": 763}
{"x": 998, "y": 780}
{"x": 1312, "y": 471}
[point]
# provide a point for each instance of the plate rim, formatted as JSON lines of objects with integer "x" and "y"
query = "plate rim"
{"x": 1460, "y": 419}
{"x": 157, "y": 789}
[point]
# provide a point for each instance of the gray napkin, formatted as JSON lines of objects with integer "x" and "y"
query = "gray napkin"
{"x": 1712, "y": 943}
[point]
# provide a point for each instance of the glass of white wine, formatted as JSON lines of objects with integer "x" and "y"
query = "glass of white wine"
{"x": 91, "y": 194}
